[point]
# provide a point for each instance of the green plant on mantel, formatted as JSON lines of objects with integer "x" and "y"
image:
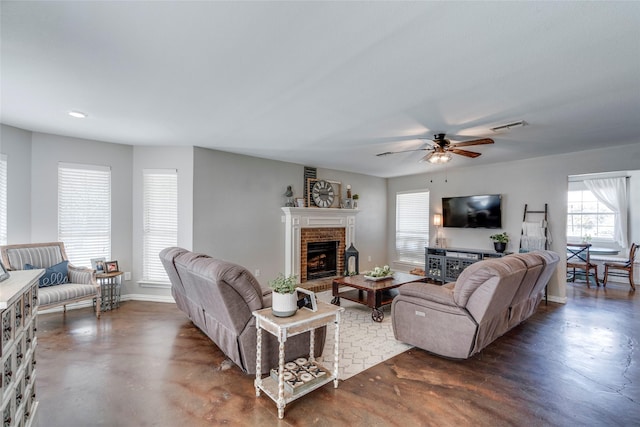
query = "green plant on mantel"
{"x": 356, "y": 197}
{"x": 500, "y": 238}
{"x": 284, "y": 285}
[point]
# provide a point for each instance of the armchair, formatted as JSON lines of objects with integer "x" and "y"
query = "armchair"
{"x": 80, "y": 284}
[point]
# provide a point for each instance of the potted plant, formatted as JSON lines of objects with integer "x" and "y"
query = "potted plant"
{"x": 500, "y": 241}
{"x": 355, "y": 201}
{"x": 284, "y": 301}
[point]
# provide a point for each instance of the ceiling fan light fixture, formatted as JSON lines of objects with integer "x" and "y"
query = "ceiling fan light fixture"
{"x": 438, "y": 158}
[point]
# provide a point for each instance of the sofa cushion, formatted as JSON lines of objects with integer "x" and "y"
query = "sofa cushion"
{"x": 54, "y": 275}
{"x": 428, "y": 291}
{"x": 38, "y": 256}
{"x": 52, "y": 295}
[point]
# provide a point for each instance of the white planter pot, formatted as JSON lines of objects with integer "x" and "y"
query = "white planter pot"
{"x": 284, "y": 305}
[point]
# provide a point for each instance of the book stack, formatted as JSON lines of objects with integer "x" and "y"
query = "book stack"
{"x": 300, "y": 374}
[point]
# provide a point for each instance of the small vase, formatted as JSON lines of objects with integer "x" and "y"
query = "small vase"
{"x": 284, "y": 305}
{"x": 500, "y": 247}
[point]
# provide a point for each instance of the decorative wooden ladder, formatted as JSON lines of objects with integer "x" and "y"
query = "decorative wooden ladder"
{"x": 545, "y": 227}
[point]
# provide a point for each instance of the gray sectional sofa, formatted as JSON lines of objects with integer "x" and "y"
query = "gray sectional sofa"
{"x": 461, "y": 318}
{"x": 219, "y": 298}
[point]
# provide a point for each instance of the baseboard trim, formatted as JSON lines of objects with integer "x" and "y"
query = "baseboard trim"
{"x": 128, "y": 297}
{"x": 149, "y": 298}
{"x": 74, "y": 306}
{"x": 558, "y": 300}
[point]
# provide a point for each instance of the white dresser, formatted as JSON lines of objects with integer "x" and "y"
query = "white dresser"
{"x": 18, "y": 311}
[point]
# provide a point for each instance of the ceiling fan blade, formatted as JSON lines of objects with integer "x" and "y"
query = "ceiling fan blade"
{"x": 386, "y": 153}
{"x": 465, "y": 153}
{"x": 481, "y": 141}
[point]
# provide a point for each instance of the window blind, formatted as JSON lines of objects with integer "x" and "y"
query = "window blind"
{"x": 160, "y": 192}
{"x": 412, "y": 226}
{"x": 84, "y": 212}
{"x": 3, "y": 199}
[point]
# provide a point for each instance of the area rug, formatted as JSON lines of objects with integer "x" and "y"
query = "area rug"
{"x": 363, "y": 342}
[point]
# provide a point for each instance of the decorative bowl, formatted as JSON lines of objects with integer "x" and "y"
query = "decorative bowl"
{"x": 375, "y": 279}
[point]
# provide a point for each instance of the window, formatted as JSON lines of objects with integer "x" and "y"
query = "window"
{"x": 3, "y": 199}
{"x": 412, "y": 226}
{"x": 84, "y": 212}
{"x": 587, "y": 218}
{"x": 598, "y": 209}
{"x": 160, "y": 210}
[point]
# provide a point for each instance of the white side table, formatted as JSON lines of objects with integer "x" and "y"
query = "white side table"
{"x": 284, "y": 327}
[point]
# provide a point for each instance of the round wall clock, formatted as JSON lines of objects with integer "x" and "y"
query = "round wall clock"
{"x": 322, "y": 193}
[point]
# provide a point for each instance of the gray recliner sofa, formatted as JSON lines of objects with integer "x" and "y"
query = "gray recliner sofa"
{"x": 461, "y": 318}
{"x": 219, "y": 298}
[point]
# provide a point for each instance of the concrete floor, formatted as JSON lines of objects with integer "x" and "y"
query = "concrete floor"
{"x": 145, "y": 364}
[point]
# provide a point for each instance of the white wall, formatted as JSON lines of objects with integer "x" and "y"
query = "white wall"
{"x": 237, "y": 215}
{"x": 47, "y": 151}
{"x": 534, "y": 181}
{"x": 16, "y": 144}
{"x": 371, "y": 233}
{"x": 180, "y": 158}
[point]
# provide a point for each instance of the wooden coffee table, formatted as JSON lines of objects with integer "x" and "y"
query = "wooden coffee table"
{"x": 373, "y": 294}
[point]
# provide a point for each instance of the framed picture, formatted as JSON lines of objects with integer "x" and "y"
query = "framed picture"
{"x": 98, "y": 264}
{"x": 337, "y": 192}
{"x": 307, "y": 299}
{"x": 4, "y": 274}
{"x": 111, "y": 266}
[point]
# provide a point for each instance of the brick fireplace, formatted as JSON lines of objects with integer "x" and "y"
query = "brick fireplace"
{"x": 304, "y": 225}
{"x": 321, "y": 235}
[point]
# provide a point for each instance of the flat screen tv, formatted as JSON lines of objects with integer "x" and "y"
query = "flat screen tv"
{"x": 472, "y": 211}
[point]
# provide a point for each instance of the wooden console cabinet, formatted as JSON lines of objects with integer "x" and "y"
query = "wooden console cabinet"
{"x": 445, "y": 264}
{"x": 18, "y": 311}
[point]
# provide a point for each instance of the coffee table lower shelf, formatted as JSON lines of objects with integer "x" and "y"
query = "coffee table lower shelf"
{"x": 372, "y": 299}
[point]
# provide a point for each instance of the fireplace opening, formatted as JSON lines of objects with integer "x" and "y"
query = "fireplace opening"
{"x": 322, "y": 259}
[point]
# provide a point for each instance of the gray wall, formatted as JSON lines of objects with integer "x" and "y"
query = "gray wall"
{"x": 534, "y": 181}
{"x": 180, "y": 158}
{"x": 235, "y": 202}
{"x": 47, "y": 151}
{"x": 237, "y": 215}
{"x": 16, "y": 144}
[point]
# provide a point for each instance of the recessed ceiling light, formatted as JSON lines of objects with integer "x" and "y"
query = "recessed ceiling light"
{"x": 77, "y": 114}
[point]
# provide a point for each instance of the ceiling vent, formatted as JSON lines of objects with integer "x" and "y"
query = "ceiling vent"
{"x": 509, "y": 126}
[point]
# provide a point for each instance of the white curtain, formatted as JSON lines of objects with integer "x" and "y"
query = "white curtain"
{"x": 612, "y": 192}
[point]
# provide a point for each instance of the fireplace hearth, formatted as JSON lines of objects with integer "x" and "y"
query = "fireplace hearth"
{"x": 322, "y": 259}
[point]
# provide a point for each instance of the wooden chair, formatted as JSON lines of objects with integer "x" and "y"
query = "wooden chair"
{"x": 626, "y": 267}
{"x": 578, "y": 258}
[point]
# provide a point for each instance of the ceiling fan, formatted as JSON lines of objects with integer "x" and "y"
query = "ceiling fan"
{"x": 440, "y": 148}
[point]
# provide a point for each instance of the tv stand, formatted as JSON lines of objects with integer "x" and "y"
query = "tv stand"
{"x": 445, "y": 264}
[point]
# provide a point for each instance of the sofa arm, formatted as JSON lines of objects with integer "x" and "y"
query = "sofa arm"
{"x": 267, "y": 295}
{"x": 439, "y": 294}
{"x": 82, "y": 275}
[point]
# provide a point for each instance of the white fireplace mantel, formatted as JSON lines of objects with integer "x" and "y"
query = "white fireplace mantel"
{"x": 296, "y": 219}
